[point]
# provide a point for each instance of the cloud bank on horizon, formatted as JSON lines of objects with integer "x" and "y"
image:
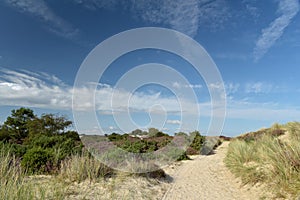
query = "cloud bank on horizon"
{"x": 41, "y": 90}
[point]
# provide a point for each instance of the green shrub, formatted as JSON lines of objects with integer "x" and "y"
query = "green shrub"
{"x": 38, "y": 160}
{"x": 198, "y": 140}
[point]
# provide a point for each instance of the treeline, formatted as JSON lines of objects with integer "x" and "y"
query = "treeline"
{"x": 41, "y": 143}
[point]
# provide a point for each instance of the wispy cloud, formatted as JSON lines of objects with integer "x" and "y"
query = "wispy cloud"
{"x": 287, "y": 10}
{"x": 25, "y": 88}
{"x": 40, "y": 9}
{"x": 232, "y": 56}
{"x": 177, "y": 122}
{"x": 180, "y": 86}
{"x": 258, "y": 87}
{"x": 28, "y": 89}
{"x": 252, "y": 9}
{"x": 186, "y": 16}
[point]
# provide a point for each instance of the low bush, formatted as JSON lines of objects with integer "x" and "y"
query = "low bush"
{"x": 38, "y": 160}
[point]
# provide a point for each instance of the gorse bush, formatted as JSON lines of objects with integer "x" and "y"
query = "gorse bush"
{"x": 268, "y": 159}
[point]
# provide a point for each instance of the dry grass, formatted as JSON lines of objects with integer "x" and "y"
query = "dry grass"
{"x": 14, "y": 184}
{"x": 269, "y": 160}
{"x": 80, "y": 168}
{"x": 80, "y": 177}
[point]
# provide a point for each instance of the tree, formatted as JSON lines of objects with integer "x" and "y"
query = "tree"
{"x": 153, "y": 132}
{"x": 16, "y": 124}
{"x": 137, "y": 132}
{"x": 48, "y": 124}
{"x": 4, "y": 134}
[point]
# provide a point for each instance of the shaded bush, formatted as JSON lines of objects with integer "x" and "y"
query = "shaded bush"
{"x": 38, "y": 160}
{"x": 192, "y": 151}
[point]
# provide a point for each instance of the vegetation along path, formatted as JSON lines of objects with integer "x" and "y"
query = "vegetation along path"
{"x": 206, "y": 177}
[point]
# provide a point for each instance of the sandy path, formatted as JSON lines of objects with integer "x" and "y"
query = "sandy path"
{"x": 206, "y": 177}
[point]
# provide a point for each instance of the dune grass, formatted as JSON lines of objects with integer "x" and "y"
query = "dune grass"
{"x": 80, "y": 168}
{"x": 15, "y": 184}
{"x": 79, "y": 176}
{"x": 269, "y": 160}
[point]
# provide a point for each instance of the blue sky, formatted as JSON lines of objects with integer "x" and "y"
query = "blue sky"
{"x": 254, "y": 44}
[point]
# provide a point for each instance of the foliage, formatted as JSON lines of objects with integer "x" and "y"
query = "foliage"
{"x": 37, "y": 160}
{"x": 116, "y": 137}
{"x": 41, "y": 142}
{"x": 134, "y": 144}
{"x": 155, "y": 140}
{"x": 198, "y": 140}
{"x": 15, "y": 126}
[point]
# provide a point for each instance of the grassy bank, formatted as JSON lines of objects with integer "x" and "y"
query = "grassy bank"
{"x": 79, "y": 177}
{"x": 270, "y": 156}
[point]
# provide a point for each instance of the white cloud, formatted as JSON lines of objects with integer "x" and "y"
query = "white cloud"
{"x": 180, "y": 86}
{"x": 39, "y": 9}
{"x": 30, "y": 89}
{"x": 177, "y": 122}
{"x": 258, "y": 87}
{"x": 24, "y": 88}
{"x": 287, "y": 10}
{"x": 232, "y": 88}
{"x": 232, "y": 56}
